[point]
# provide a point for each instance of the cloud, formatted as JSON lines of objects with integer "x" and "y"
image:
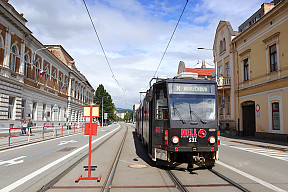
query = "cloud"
{"x": 134, "y": 35}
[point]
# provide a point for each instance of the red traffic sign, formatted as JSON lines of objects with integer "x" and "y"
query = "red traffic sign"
{"x": 87, "y": 129}
{"x": 257, "y": 107}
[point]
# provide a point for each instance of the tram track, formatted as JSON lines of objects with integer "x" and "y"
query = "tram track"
{"x": 66, "y": 171}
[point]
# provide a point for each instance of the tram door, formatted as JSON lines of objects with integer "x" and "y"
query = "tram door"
{"x": 248, "y": 115}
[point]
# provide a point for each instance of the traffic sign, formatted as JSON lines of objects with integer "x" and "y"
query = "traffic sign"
{"x": 257, "y": 107}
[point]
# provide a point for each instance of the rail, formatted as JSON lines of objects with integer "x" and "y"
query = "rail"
{"x": 42, "y": 132}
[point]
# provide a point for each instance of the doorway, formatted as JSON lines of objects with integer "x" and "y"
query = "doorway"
{"x": 248, "y": 117}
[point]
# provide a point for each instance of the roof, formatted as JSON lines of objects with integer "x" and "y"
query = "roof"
{"x": 201, "y": 72}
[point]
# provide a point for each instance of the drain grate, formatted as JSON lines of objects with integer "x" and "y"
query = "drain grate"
{"x": 67, "y": 149}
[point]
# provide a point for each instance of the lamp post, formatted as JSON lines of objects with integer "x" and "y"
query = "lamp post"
{"x": 102, "y": 109}
{"x": 216, "y": 70}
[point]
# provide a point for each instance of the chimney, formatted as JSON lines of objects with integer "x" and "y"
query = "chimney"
{"x": 203, "y": 64}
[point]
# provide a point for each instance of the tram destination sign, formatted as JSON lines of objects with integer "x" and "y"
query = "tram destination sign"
{"x": 178, "y": 88}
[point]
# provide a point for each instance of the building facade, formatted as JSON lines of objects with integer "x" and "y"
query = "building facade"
{"x": 223, "y": 58}
{"x": 261, "y": 70}
{"x": 37, "y": 82}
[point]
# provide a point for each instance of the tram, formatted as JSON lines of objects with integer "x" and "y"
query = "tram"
{"x": 178, "y": 121}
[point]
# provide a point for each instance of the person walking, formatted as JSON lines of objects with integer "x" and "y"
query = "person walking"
{"x": 24, "y": 125}
{"x": 30, "y": 124}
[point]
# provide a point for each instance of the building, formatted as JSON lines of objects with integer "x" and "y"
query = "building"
{"x": 38, "y": 82}
{"x": 204, "y": 70}
{"x": 261, "y": 69}
{"x": 223, "y": 57}
{"x": 252, "y": 67}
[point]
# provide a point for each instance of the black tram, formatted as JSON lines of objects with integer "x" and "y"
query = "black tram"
{"x": 177, "y": 121}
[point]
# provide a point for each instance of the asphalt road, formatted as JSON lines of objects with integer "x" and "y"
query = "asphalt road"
{"x": 29, "y": 167}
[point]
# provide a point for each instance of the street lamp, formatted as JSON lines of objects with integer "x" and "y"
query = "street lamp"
{"x": 102, "y": 109}
{"x": 202, "y": 48}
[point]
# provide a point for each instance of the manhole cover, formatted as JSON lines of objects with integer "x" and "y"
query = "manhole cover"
{"x": 67, "y": 149}
{"x": 137, "y": 166}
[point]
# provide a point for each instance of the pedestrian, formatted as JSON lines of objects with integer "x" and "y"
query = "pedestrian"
{"x": 24, "y": 125}
{"x": 30, "y": 124}
{"x": 69, "y": 125}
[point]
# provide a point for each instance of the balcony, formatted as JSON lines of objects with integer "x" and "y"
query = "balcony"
{"x": 224, "y": 81}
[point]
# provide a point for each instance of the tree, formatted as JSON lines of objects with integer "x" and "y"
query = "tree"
{"x": 108, "y": 105}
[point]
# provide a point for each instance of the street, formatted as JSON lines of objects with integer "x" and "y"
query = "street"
{"x": 30, "y": 167}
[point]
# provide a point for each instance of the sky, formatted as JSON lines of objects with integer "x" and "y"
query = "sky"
{"x": 134, "y": 35}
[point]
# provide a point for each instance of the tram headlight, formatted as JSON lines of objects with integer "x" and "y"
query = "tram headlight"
{"x": 211, "y": 140}
{"x": 175, "y": 139}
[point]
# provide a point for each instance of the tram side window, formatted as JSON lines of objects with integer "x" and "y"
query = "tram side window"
{"x": 161, "y": 105}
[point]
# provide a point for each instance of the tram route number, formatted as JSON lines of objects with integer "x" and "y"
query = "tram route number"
{"x": 192, "y": 139}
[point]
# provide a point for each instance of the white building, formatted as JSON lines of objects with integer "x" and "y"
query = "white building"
{"x": 37, "y": 82}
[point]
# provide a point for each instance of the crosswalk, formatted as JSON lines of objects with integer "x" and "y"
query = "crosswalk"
{"x": 262, "y": 151}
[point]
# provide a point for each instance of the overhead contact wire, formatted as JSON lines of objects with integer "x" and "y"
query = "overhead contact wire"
{"x": 170, "y": 38}
{"x": 113, "y": 76}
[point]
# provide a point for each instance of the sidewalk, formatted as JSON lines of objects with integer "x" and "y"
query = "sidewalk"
{"x": 18, "y": 139}
{"x": 278, "y": 145}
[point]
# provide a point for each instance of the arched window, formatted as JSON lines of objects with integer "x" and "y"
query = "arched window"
{"x": 60, "y": 82}
{"x": 37, "y": 68}
{"x": 224, "y": 44}
{"x": 221, "y": 46}
{"x": 26, "y": 61}
{"x": 13, "y": 58}
{"x": 46, "y": 70}
{"x": 54, "y": 79}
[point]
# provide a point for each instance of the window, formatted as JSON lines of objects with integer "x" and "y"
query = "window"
{"x": 43, "y": 112}
{"x": 26, "y": 61}
{"x": 227, "y": 70}
{"x": 224, "y": 44}
{"x": 37, "y": 66}
{"x": 46, "y": 70}
{"x": 13, "y": 58}
{"x": 273, "y": 58}
{"x": 246, "y": 69}
{"x": 228, "y": 105}
{"x": 11, "y": 107}
{"x": 23, "y": 104}
{"x": 54, "y": 79}
{"x": 34, "y": 111}
{"x": 275, "y": 116}
{"x": 221, "y": 46}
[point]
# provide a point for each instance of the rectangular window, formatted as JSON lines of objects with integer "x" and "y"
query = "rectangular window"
{"x": 228, "y": 105}
{"x": 11, "y": 107}
{"x": 34, "y": 111}
{"x": 275, "y": 116}
{"x": 273, "y": 58}
{"x": 246, "y": 69}
{"x": 227, "y": 70}
{"x": 23, "y": 104}
{"x": 44, "y": 112}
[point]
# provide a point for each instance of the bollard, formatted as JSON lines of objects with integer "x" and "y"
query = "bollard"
{"x": 9, "y": 137}
{"x": 43, "y": 133}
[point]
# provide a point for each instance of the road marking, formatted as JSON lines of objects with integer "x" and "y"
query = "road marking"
{"x": 264, "y": 183}
{"x": 266, "y": 152}
{"x": 39, "y": 171}
{"x": 66, "y": 142}
{"x": 12, "y": 161}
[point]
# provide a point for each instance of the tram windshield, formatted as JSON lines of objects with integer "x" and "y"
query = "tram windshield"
{"x": 192, "y": 102}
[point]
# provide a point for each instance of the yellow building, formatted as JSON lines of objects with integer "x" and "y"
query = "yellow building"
{"x": 260, "y": 59}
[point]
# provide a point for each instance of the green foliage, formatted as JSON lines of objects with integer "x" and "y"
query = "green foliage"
{"x": 108, "y": 105}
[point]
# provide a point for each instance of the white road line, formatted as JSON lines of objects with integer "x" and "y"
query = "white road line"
{"x": 39, "y": 171}
{"x": 264, "y": 183}
{"x": 276, "y": 155}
